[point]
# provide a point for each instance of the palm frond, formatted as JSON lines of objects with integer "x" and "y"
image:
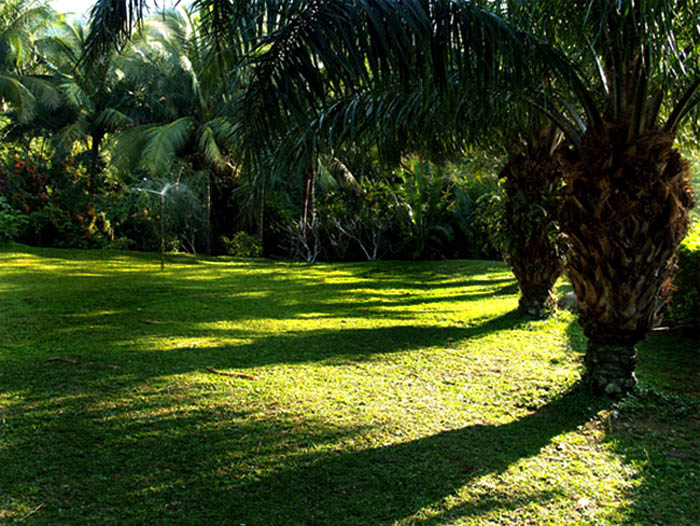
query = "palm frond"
{"x": 112, "y": 119}
{"x": 43, "y": 90}
{"x": 162, "y": 143}
{"x": 75, "y": 96}
{"x": 111, "y": 24}
{"x": 74, "y": 132}
{"x": 334, "y": 49}
{"x": 14, "y": 92}
{"x": 208, "y": 147}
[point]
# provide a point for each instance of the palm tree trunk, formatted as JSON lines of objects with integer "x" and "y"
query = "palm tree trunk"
{"x": 207, "y": 238}
{"x": 624, "y": 211}
{"x": 308, "y": 212}
{"x": 532, "y": 183}
{"x": 261, "y": 214}
{"x": 308, "y": 205}
{"x": 95, "y": 160}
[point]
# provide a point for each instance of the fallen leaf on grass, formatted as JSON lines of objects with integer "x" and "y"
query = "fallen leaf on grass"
{"x": 154, "y": 322}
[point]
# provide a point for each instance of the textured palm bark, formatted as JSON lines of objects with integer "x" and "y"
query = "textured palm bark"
{"x": 624, "y": 211}
{"x": 532, "y": 183}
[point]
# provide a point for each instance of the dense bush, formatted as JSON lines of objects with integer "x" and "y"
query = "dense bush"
{"x": 360, "y": 217}
{"x": 417, "y": 212}
{"x": 478, "y": 214}
{"x": 52, "y": 193}
{"x": 243, "y": 245}
{"x": 685, "y": 306}
{"x": 11, "y": 221}
{"x": 426, "y": 194}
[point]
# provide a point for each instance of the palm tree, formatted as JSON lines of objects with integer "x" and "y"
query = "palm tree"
{"x": 21, "y": 22}
{"x": 181, "y": 95}
{"x": 533, "y": 181}
{"x": 626, "y": 199}
{"x": 91, "y": 92}
{"x": 626, "y": 204}
{"x": 184, "y": 100}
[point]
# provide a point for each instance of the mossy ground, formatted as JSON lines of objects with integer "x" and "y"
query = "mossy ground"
{"x": 384, "y": 393}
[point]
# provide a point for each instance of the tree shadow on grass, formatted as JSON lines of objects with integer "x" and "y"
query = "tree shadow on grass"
{"x": 658, "y": 430}
{"x": 116, "y": 359}
{"x": 389, "y": 483}
{"x": 244, "y": 294}
{"x": 351, "y": 345}
{"x": 229, "y": 467}
{"x": 163, "y": 466}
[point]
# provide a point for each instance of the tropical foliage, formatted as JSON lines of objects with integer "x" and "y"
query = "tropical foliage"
{"x": 20, "y": 84}
{"x": 685, "y": 305}
{"x": 346, "y": 129}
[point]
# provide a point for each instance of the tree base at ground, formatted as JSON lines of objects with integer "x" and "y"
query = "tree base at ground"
{"x": 610, "y": 367}
{"x": 538, "y": 303}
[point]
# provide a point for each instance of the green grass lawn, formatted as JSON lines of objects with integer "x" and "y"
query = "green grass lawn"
{"x": 370, "y": 394}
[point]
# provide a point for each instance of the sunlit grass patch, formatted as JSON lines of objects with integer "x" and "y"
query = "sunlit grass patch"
{"x": 270, "y": 393}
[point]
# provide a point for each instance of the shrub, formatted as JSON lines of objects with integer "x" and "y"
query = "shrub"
{"x": 243, "y": 245}
{"x": 425, "y": 193}
{"x": 478, "y": 211}
{"x": 685, "y": 306}
{"x": 364, "y": 216}
{"x": 11, "y": 221}
{"x": 52, "y": 192}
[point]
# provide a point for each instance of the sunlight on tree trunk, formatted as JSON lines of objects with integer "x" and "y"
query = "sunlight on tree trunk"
{"x": 624, "y": 211}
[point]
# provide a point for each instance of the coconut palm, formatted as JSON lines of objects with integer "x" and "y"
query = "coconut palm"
{"x": 21, "y": 22}
{"x": 181, "y": 95}
{"x": 183, "y": 100}
{"x": 93, "y": 94}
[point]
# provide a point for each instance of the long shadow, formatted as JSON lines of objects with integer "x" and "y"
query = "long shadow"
{"x": 321, "y": 345}
{"x": 386, "y": 484}
{"x": 217, "y": 463}
{"x": 658, "y": 430}
{"x": 205, "y": 465}
{"x": 270, "y": 295}
{"x": 349, "y": 345}
{"x": 92, "y": 467}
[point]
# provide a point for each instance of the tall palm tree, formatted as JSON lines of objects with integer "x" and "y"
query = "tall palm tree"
{"x": 92, "y": 92}
{"x": 184, "y": 99}
{"x": 182, "y": 95}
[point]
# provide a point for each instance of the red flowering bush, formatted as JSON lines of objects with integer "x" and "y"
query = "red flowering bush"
{"x": 53, "y": 194}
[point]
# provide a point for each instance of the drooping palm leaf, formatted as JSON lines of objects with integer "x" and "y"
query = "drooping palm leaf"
{"x": 13, "y": 91}
{"x": 159, "y": 145}
{"x": 111, "y": 24}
